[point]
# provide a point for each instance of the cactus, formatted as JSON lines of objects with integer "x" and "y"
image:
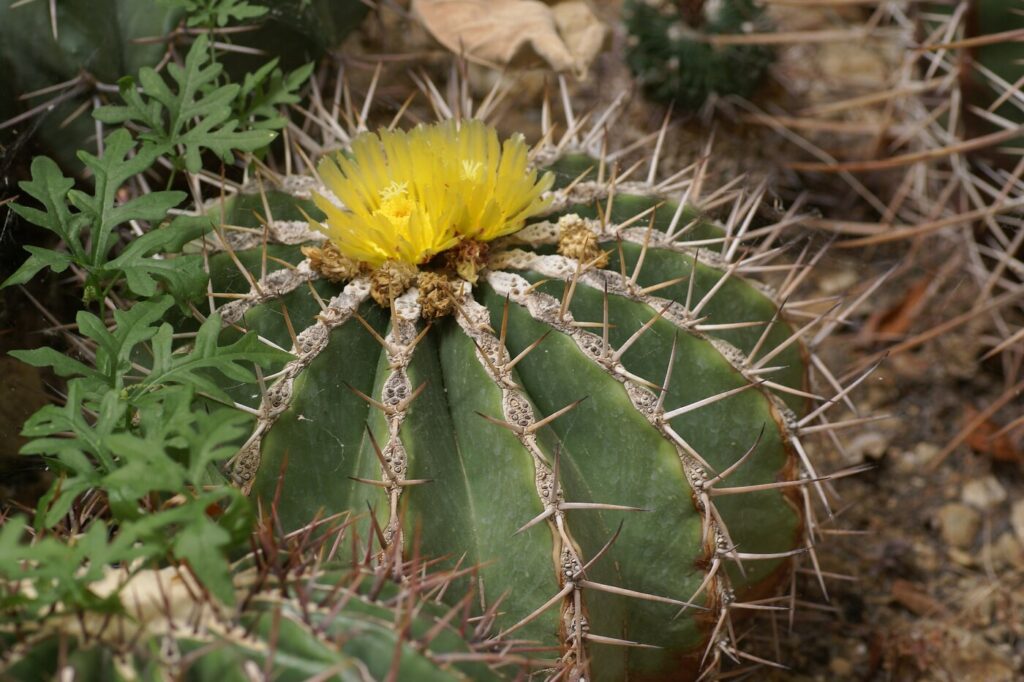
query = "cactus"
{"x": 991, "y": 70}
{"x": 567, "y": 382}
{"x": 300, "y": 618}
{"x": 672, "y": 53}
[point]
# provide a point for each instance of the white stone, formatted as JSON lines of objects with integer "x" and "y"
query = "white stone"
{"x": 959, "y": 524}
{"x": 1017, "y": 519}
{"x": 984, "y": 493}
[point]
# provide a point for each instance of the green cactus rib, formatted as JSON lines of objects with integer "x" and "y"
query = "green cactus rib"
{"x": 594, "y": 441}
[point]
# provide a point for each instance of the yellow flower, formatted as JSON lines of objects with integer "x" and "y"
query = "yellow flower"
{"x": 411, "y": 195}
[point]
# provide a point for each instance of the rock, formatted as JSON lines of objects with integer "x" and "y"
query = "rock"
{"x": 1005, "y": 552}
{"x": 913, "y": 461}
{"x": 926, "y": 557}
{"x": 841, "y": 668}
{"x": 867, "y": 446}
{"x": 1017, "y": 519}
{"x": 961, "y": 557}
{"x": 984, "y": 493}
{"x": 958, "y": 524}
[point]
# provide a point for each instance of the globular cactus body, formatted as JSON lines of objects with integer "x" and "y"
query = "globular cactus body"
{"x": 633, "y": 383}
{"x": 672, "y": 51}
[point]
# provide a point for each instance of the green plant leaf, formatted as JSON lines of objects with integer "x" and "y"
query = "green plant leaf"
{"x": 110, "y": 172}
{"x": 202, "y": 543}
{"x": 38, "y": 259}
{"x": 145, "y": 262}
{"x": 206, "y": 354}
{"x": 88, "y": 222}
{"x": 49, "y": 187}
{"x": 217, "y": 13}
{"x": 61, "y": 364}
{"x": 195, "y": 114}
{"x": 131, "y": 328}
{"x": 266, "y": 89}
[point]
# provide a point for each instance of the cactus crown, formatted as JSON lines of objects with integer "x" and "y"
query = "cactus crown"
{"x": 411, "y": 195}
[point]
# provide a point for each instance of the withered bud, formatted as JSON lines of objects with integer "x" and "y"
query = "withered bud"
{"x": 576, "y": 240}
{"x": 468, "y": 258}
{"x": 329, "y": 263}
{"x": 391, "y": 280}
{"x": 437, "y": 294}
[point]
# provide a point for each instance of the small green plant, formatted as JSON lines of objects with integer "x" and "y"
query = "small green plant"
{"x": 137, "y": 443}
{"x": 63, "y": 59}
{"x": 673, "y": 52}
{"x": 175, "y": 122}
{"x": 129, "y": 427}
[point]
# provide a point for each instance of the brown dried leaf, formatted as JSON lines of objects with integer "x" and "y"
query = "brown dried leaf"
{"x": 518, "y": 33}
{"x": 583, "y": 33}
{"x": 896, "y": 321}
{"x": 912, "y": 598}
{"x": 985, "y": 439}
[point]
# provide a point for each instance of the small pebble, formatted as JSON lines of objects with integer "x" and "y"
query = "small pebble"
{"x": 841, "y": 667}
{"x": 839, "y": 280}
{"x": 1017, "y": 519}
{"x": 958, "y": 524}
{"x": 961, "y": 557}
{"x": 867, "y": 446}
{"x": 984, "y": 493}
{"x": 915, "y": 460}
{"x": 926, "y": 558}
{"x": 1005, "y": 552}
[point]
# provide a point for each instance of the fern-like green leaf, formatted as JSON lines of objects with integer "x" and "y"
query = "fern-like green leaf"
{"x": 194, "y": 115}
{"x": 266, "y": 89}
{"x": 88, "y": 223}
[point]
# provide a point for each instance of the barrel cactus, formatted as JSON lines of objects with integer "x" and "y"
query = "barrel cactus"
{"x": 522, "y": 362}
{"x": 672, "y": 51}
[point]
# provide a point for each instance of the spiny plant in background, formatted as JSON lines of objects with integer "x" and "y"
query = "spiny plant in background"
{"x": 597, "y": 407}
{"x": 673, "y": 52}
{"x": 71, "y": 55}
{"x": 294, "y": 613}
{"x": 953, "y": 182}
{"x": 898, "y": 126}
{"x": 972, "y": 152}
{"x": 823, "y": 85}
